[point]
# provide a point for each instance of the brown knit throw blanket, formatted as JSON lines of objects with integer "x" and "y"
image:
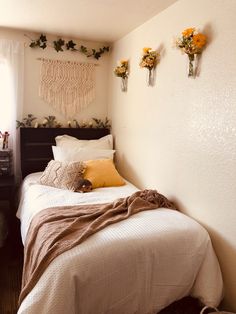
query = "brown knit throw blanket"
{"x": 62, "y": 228}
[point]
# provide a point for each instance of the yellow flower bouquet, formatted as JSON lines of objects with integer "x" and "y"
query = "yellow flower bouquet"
{"x": 149, "y": 60}
{"x": 191, "y": 42}
{"x": 122, "y": 71}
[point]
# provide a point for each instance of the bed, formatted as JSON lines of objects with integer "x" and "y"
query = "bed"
{"x": 138, "y": 265}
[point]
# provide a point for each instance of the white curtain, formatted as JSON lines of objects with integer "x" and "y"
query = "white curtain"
{"x": 11, "y": 94}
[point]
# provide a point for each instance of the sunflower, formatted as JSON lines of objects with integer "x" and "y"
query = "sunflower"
{"x": 188, "y": 32}
{"x": 123, "y": 62}
{"x": 199, "y": 40}
{"x": 122, "y": 69}
{"x": 149, "y": 58}
{"x": 146, "y": 50}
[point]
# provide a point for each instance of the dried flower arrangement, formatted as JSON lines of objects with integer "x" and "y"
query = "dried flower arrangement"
{"x": 149, "y": 60}
{"x": 192, "y": 43}
{"x": 121, "y": 70}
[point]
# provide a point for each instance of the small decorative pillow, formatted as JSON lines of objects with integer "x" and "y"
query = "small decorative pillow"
{"x": 62, "y": 175}
{"x": 102, "y": 173}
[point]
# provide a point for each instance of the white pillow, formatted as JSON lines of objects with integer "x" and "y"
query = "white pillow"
{"x": 105, "y": 142}
{"x": 80, "y": 154}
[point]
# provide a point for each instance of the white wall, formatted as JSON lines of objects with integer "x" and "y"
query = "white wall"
{"x": 32, "y": 102}
{"x": 180, "y": 135}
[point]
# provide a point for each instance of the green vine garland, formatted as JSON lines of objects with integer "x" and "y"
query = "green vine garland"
{"x": 61, "y": 45}
{"x": 30, "y": 121}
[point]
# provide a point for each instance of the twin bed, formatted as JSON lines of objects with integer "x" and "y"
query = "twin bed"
{"x": 137, "y": 265}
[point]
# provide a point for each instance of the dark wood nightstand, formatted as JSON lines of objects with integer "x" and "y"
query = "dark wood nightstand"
{"x": 7, "y": 189}
{"x": 7, "y": 202}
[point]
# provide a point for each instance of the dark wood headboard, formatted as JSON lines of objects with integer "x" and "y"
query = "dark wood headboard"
{"x": 36, "y": 144}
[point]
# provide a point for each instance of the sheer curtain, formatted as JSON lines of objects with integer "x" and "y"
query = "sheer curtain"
{"x": 11, "y": 94}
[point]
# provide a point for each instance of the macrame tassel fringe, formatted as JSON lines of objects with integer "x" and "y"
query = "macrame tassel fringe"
{"x": 67, "y": 86}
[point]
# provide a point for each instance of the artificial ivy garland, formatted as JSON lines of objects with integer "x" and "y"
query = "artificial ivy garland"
{"x": 61, "y": 45}
{"x": 30, "y": 121}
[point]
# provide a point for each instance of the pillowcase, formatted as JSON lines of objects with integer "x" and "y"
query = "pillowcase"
{"x": 80, "y": 154}
{"x": 105, "y": 142}
{"x": 62, "y": 175}
{"x": 102, "y": 173}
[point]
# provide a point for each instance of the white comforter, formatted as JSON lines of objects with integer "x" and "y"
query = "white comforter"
{"x": 139, "y": 265}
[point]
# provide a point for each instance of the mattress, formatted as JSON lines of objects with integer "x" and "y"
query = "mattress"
{"x": 139, "y": 265}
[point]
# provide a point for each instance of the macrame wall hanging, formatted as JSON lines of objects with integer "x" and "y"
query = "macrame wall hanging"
{"x": 67, "y": 86}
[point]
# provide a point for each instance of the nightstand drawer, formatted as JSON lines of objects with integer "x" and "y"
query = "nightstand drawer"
{"x": 5, "y": 192}
{"x": 7, "y": 187}
{"x": 5, "y": 162}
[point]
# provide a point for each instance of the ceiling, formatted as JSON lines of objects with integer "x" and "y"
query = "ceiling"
{"x": 95, "y": 20}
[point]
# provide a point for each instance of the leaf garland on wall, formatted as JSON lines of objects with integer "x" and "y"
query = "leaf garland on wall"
{"x": 62, "y": 45}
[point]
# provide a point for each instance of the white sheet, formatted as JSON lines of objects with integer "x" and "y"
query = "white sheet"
{"x": 137, "y": 266}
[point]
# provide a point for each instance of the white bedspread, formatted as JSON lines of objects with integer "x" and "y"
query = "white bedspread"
{"x": 137, "y": 266}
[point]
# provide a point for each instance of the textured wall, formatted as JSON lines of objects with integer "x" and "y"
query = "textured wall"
{"x": 179, "y": 136}
{"x": 32, "y": 102}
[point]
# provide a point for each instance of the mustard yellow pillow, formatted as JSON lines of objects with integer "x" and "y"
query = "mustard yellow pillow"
{"x": 102, "y": 173}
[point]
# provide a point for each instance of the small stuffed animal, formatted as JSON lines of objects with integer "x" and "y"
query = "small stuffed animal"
{"x": 84, "y": 185}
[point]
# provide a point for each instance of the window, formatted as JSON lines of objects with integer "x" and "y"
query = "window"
{"x": 6, "y": 98}
{"x": 11, "y": 94}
